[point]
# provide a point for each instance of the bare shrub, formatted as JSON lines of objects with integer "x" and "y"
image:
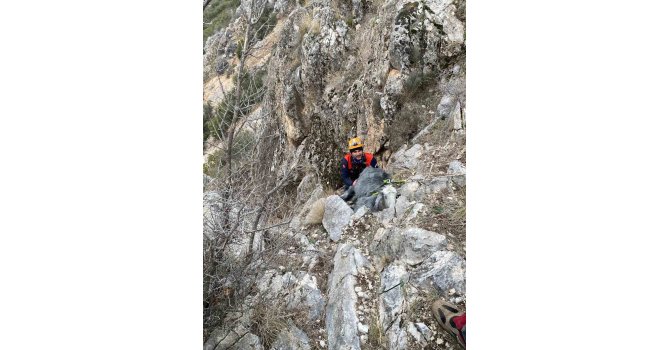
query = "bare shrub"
{"x": 268, "y": 319}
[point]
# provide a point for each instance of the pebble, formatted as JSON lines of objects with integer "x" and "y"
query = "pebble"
{"x": 363, "y": 328}
{"x": 358, "y": 289}
{"x": 452, "y": 291}
{"x": 439, "y": 341}
{"x": 322, "y": 343}
{"x": 364, "y": 339}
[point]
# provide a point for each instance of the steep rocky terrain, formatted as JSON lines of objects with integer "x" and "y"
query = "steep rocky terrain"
{"x": 280, "y": 274}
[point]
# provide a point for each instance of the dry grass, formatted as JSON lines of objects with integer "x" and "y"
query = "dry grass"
{"x": 447, "y": 217}
{"x": 315, "y": 214}
{"x": 268, "y": 320}
{"x": 376, "y": 337}
{"x": 309, "y": 25}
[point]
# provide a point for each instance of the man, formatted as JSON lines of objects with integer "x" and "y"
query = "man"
{"x": 354, "y": 162}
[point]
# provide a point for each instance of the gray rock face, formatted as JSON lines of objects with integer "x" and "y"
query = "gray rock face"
{"x": 411, "y": 245}
{"x": 444, "y": 270}
{"x": 408, "y": 189}
{"x": 423, "y": 32}
{"x": 406, "y": 158}
{"x": 420, "y": 332}
{"x": 299, "y": 290}
{"x": 292, "y": 338}
{"x": 391, "y": 302}
{"x": 341, "y": 319}
{"x": 336, "y": 216}
{"x": 433, "y": 185}
{"x": 446, "y": 106}
{"x": 402, "y": 204}
{"x": 220, "y": 340}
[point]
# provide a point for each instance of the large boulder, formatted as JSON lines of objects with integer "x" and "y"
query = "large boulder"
{"x": 368, "y": 187}
{"x": 336, "y": 216}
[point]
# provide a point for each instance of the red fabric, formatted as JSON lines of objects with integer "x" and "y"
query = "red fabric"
{"x": 459, "y": 321}
{"x": 368, "y": 159}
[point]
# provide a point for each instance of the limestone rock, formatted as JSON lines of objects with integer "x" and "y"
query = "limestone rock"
{"x": 220, "y": 340}
{"x": 336, "y": 216}
{"x": 391, "y": 302}
{"x": 445, "y": 269}
{"x": 412, "y": 245}
{"x": 406, "y": 158}
{"x": 341, "y": 318}
{"x": 299, "y": 290}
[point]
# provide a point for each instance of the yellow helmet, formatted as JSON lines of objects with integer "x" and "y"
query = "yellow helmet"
{"x": 355, "y": 143}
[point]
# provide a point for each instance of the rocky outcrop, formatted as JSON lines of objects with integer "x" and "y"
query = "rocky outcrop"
{"x": 330, "y": 71}
{"x": 411, "y": 245}
{"x": 297, "y": 290}
{"x": 237, "y": 339}
{"x": 341, "y": 317}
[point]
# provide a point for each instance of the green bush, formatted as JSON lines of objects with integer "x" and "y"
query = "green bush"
{"x": 217, "y": 15}
{"x": 215, "y": 164}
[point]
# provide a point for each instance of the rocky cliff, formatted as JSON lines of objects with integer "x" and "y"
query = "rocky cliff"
{"x": 301, "y": 80}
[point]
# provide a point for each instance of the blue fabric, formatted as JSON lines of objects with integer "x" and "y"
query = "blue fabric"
{"x": 357, "y": 167}
{"x": 463, "y": 332}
